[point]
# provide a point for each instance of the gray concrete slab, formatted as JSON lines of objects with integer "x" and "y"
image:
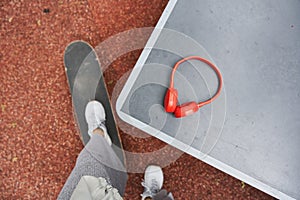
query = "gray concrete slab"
{"x": 253, "y": 130}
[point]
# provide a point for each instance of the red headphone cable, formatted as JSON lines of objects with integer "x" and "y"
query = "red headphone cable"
{"x": 190, "y": 107}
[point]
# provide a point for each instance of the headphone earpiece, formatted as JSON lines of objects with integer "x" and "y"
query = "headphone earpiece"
{"x": 181, "y": 110}
{"x": 170, "y": 101}
{"x": 186, "y": 109}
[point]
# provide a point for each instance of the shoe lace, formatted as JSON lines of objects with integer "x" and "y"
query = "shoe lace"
{"x": 151, "y": 190}
{"x": 101, "y": 125}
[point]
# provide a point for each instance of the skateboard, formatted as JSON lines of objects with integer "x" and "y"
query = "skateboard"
{"x": 86, "y": 83}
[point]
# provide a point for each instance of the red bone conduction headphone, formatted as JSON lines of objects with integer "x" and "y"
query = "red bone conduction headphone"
{"x": 189, "y": 108}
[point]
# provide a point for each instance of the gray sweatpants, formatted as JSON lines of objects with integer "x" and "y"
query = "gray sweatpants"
{"x": 99, "y": 160}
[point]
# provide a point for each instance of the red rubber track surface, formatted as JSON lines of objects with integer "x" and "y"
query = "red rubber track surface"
{"x": 39, "y": 140}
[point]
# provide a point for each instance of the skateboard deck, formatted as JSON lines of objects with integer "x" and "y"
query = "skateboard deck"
{"x": 86, "y": 83}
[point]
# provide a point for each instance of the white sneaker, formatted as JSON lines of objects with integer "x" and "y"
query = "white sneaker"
{"x": 95, "y": 118}
{"x": 153, "y": 181}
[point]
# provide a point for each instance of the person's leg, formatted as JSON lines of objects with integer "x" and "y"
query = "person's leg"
{"x": 104, "y": 154}
{"x": 97, "y": 158}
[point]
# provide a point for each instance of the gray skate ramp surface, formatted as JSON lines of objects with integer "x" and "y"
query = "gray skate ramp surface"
{"x": 252, "y": 131}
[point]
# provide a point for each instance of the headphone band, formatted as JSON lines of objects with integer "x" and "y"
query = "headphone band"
{"x": 211, "y": 65}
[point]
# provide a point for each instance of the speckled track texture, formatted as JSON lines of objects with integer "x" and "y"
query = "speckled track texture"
{"x": 39, "y": 140}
